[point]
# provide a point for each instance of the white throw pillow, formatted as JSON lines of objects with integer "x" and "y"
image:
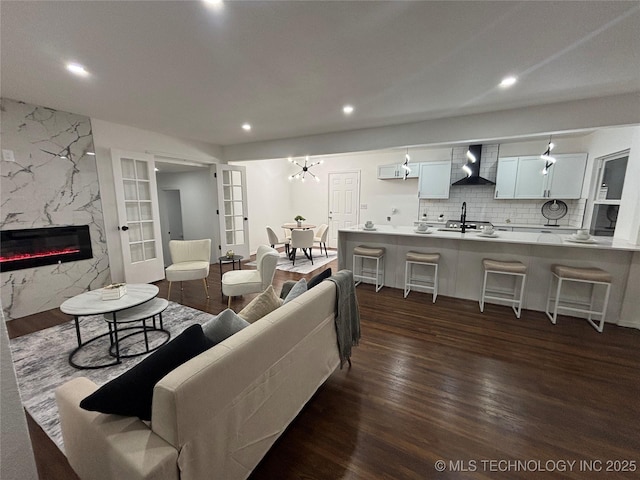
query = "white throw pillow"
{"x": 260, "y": 306}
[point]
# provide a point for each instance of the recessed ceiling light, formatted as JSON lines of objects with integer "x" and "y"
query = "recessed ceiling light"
{"x": 347, "y": 109}
{"x": 77, "y": 69}
{"x": 246, "y": 127}
{"x": 508, "y": 81}
{"x": 214, "y": 3}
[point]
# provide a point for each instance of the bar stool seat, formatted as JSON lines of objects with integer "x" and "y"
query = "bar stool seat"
{"x": 591, "y": 275}
{"x": 419, "y": 258}
{"x": 372, "y": 253}
{"x": 500, "y": 267}
{"x": 585, "y": 274}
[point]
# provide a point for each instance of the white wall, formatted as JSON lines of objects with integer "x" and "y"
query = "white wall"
{"x": 107, "y": 135}
{"x": 274, "y": 200}
{"x": 198, "y": 200}
{"x": 16, "y": 454}
{"x": 269, "y": 198}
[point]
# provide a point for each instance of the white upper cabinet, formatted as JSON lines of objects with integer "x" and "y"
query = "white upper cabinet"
{"x": 530, "y": 182}
{"x": 566, "y": 176}
{"x": 395, "y": 171}
{"x": 522, "y": 177}
{"x": 434, "y": 179}
{"x": 506, "y": 177}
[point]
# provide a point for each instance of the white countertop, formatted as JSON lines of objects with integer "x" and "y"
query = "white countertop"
{"x": 508, "y": 225}
{"x": 551, "y": 239}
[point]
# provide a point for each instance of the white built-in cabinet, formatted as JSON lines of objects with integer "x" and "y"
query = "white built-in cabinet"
{"x": 434, "y": 179}
{"x": 395, "y": 171}
{"x": 506, "y": 177}
{"x": 522, "y": 177}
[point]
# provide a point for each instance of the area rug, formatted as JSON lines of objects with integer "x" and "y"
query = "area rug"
{"x": 303, "y": 264}
{"x": 41, "y": 360}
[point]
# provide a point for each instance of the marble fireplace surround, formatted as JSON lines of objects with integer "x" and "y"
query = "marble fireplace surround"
{"x": 52, "y": 182}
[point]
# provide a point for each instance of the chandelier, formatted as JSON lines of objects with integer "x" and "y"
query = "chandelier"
{"x": 304, "y": 169}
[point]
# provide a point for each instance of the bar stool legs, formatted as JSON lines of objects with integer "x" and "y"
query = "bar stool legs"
{"x": 592, "y": 276}
{"x": 417, "y": 258}
{"x": 373, "y": 253}
{"x": 515, "y": 269}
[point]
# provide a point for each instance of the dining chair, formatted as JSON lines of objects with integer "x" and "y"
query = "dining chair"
{"x": 274, "y": 240}
{"x": 321, "y": 238}
{"x": 239, "y": 282}
{"x": 191, "y": 259}
{"x": 302, "y": 239}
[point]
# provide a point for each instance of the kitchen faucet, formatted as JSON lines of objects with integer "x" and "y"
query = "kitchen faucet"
{"x": 463, "y": 217}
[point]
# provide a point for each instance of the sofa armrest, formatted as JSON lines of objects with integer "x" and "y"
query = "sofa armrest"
{"x": 110, "y": 447}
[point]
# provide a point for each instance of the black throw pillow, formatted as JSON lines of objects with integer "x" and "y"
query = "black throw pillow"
{"x": 318, "y": 278}
{"x": 131, "y": 393}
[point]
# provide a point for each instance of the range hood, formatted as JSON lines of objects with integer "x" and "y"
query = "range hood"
{"x": 474, "y": 178}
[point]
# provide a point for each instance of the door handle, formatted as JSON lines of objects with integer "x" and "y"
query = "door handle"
{"x": 124, "y": 228}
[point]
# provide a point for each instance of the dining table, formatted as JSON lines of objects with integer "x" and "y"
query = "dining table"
{"x": 294, "y": 226}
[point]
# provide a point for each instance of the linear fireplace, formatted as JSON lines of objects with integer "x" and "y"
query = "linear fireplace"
{"x": 36, "y": 247}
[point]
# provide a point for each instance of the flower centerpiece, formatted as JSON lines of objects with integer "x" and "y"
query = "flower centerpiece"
{"x": 299, "y": 219}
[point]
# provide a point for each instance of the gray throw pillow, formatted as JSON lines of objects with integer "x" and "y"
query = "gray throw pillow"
{"x": 223, "y": 325}
{"x": 298, "y": 289}
{"x": 286, "y": 288}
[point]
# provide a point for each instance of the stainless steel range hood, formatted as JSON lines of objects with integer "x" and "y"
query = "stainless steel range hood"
{"x": 474, "y": 177}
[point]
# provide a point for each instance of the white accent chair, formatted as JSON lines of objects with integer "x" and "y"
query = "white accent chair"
{"x": 191, "y": 259}
{"x": 321, "y": 238}
{"x": 274, "y": 240}
{"x": 302, "y": 239}
{"x": 240, "y": 282}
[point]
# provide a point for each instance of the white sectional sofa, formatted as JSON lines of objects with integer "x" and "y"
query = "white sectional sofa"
{"x": 215, "y": 416}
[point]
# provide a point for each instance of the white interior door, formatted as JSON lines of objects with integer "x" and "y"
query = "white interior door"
{"x": 139, "y": 217}
{"x": 344, "y": 199}
{"x": 232, "y": 204}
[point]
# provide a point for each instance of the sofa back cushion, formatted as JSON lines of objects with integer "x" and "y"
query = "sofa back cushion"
{"x": 224, "y": 408}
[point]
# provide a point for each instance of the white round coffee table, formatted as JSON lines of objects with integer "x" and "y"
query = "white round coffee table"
{"x": 91, "y": 303}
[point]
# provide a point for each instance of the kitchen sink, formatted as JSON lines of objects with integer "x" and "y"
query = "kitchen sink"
{"x": 447, "y": 229}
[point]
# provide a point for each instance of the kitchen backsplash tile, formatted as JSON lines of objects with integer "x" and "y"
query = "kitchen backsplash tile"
{"x": 481, "y": 204}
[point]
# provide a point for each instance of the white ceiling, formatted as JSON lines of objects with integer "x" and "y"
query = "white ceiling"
{"x": 191, "y": 71}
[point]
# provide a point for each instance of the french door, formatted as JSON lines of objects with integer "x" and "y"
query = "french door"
{"x": 344, "y": 199}
{"x": 232, "y": 205}
{"x": 138, "y": 214}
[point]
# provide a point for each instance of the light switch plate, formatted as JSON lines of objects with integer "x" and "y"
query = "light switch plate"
{"x": 7, "y": 155}
{"x": 363, "y": 206}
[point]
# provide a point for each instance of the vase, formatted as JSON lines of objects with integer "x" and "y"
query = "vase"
{"x": 299, "y": 223}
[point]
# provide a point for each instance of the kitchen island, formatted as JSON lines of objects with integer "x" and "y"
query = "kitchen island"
{"x": 460, "y": 268}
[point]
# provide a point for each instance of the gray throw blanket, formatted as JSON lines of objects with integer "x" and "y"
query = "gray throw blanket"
{"x": 347, "y": 314}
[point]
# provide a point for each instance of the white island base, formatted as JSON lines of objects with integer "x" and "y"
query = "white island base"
{"x": 461, "y": 273}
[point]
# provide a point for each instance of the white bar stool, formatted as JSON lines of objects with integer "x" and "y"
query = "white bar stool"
{"x": 373, "y": 253}
{"x": 593, "y": 276}
{"x": 417, "y": 258}
{"x": 514, "y": 268}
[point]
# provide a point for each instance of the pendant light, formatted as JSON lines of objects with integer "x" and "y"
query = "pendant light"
{"x": 546, "y": 156}
{"x": 405, "y": 165}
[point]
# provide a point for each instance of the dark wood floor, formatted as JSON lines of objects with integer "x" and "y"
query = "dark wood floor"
{"x": 442, "y": 381}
